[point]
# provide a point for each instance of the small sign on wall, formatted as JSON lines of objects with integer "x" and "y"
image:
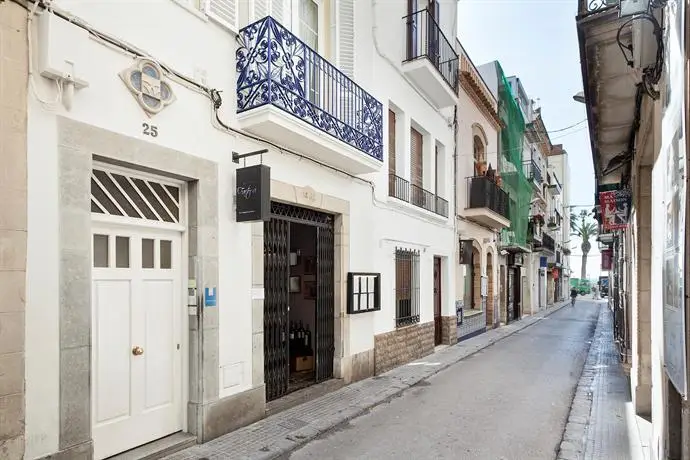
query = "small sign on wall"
{"x": 210, "y": 297}
{"x": 363, "y": 292}
{"x": 253, "y": 193}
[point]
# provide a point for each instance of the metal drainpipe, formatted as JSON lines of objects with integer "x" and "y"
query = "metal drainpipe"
{"x": 455, "y": 168}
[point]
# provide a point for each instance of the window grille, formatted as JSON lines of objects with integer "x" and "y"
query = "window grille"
{"x": 119, "y": 195}
{"x": 406, "y": 287}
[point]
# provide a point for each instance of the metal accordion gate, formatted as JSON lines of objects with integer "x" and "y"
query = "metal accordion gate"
{"x": 277, "y": 297}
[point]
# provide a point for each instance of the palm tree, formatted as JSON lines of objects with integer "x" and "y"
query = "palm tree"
{"x": 584, "y": 228}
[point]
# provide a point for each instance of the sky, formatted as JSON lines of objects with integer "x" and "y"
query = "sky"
{"x": 536, "y": 40}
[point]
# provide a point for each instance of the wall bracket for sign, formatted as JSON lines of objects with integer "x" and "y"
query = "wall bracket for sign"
{"x": 236, "y": 157}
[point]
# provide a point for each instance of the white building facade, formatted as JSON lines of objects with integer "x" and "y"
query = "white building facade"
{"x": 172, "y": 291}
{"x": 481, "y": 203}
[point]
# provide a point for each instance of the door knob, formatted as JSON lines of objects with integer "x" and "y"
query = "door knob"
{"x": 136, "y": 351}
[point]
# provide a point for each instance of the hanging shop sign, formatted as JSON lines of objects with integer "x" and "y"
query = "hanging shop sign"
{"x": 465, "y": 252}
{"x": 253, "y": 192}
{"x": 606, "y": 259}
{"x": 555, "y": 273}
{"x": 615, "y": 209}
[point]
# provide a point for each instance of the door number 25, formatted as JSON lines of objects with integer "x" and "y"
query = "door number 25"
{"x": 149, "y": 130}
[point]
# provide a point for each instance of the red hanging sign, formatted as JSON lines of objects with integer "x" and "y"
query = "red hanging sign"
{"x": 615, "y": 209}
{"x": 554, "y": 272}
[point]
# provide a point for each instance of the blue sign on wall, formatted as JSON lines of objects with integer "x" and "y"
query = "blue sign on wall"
{"x": 543, "y": 262}
{"x": 210, "y": 297}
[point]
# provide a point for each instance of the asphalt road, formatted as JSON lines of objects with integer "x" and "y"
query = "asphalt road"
{"x": 509, "y": 401}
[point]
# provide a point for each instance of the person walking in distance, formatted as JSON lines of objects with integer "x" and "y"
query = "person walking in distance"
{"x": 573, "y": 294}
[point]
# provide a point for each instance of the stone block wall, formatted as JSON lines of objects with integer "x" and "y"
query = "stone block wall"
{"x": 449, "y": 330}
{"x": 402, "y": 346}
{"x": 13, "y": 232}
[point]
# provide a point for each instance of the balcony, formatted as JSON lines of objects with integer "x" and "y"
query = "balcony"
{"x": 289, "y": 94}
{"x": 402, "y": 190}
{"x": 487, "y": 203}
{"x": 431, "y": 61}
{"x": 548, "y": 243}
{"x": 533, "y": 173}
{"x": 535, "y": 232}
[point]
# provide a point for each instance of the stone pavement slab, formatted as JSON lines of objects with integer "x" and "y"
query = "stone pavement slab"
{"x": 599, "y": 426}
{"x": 284, "y": 432}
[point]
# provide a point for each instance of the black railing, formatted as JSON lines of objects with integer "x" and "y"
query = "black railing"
{"x": 533, "y": 171}
{"x": 402, "y": 189}
{"x": 548, "y": 242}
{"x": 594, "y": 6}
{"x": 482, "y": 192}
{"x": 275, "y": 67}
{"x": 425, "y": 39}
{"x": 406, "y": 287}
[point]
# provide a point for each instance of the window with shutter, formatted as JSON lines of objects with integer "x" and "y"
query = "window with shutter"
{"x": 391, "y": 142}
{"x": 391, "y": 153}
{"x": 416, "y": 167}
{"x": 274, "y": 8}
{"x": 223, "y": 12}
{"x": 346, "y": 37}
{"x": 416, "y": 171}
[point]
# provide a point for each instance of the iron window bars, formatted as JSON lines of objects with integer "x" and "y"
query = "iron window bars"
{"x": 406, "y": 287}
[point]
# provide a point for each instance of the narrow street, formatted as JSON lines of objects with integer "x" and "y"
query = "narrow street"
{"x": 509, "y": 401}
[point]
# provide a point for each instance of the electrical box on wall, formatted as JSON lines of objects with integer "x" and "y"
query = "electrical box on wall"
{"x": 60, "y": 49}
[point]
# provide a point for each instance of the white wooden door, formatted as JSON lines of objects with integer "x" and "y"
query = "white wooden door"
{"x": 136, "y": 338}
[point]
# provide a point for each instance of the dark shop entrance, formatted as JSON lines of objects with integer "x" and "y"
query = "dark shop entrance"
{"x": 299, "y": 302}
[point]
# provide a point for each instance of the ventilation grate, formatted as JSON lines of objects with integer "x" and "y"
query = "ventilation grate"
{"x": 119, "y": 195}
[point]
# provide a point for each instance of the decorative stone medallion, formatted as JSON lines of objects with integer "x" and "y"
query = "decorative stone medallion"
{"x": 146, "y": 81}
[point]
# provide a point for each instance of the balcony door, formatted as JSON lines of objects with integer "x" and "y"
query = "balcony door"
{"x": 433, "y": 32}
{"x": 306, "y": 16}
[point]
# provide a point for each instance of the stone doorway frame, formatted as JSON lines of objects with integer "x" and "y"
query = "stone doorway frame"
{"x": 307, "y": 197}
{"x": 79, "y": 145}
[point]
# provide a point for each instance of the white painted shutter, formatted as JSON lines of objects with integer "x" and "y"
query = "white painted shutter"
{"x": 260, "y": 9}
{"x": 273, "y": 8}
{"x": 278, "y": 11}
{"x": 346, "y": 37}
{"x": 223, "y": 11}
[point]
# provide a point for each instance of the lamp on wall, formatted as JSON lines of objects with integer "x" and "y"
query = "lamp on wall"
{"x": 580, "y": 97}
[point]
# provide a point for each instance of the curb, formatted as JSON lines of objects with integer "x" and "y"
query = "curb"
{"x": 299, "y": 438}
{"x": 276, "y": 437}
{"x": 574, "y": 439}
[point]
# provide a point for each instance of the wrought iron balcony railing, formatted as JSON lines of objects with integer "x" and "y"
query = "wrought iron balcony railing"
{"x": 425, "y": 39}
{"x": 595, "y": 6}
{"x": 548, "y": 242}
{"x": 410, "y": 193}
{"x": 482, "y": 192}
{"x": 277, "y": 68}
{"x": 533, "y": 172}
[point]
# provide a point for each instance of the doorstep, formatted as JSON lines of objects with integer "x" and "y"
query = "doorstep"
{"x": 282, "y": 433}
{"x": 159, "y": 448}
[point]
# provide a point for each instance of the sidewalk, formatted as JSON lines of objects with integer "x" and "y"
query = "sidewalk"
{"x": 602, "y": 423}
{"x": 286, "y": 431}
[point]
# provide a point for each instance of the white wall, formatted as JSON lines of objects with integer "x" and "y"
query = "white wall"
{"x": 191, "y": 44}
{"x": 470, "y": 119}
